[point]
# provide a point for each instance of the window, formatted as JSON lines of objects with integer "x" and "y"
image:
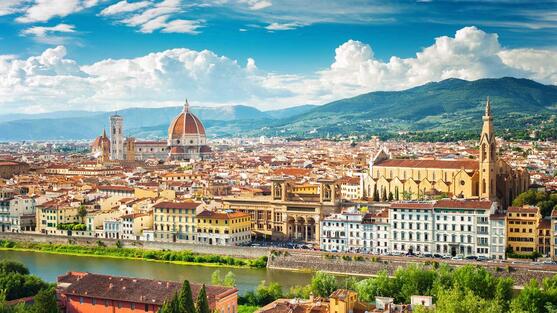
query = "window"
{"x": 81, "y": 300}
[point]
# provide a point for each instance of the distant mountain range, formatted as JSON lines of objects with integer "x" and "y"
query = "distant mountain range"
{"x": 452, "y": 105}
{"x": 139, "y": 122}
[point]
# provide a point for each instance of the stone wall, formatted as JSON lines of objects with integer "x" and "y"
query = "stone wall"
{"x": 370, "y": 266}
{"x": 241, "y": 252}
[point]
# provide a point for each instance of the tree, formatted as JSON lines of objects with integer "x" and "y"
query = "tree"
{"x": 45, "y": 302}
{"x": 185, "y": 298}
{"x": 391, "y": 196}
{"x": 81, "y": 212}
{"x": 323, "y": 284}
{"x": 215, "y": 278}
{"x": 375, "y": 194}
{"x": 7, "y": 267}
{"x": 384, "y": 195}
{"x": 530, "y": 300}
{"x": 229, "y": 280}
{"x": 201, "y": 303}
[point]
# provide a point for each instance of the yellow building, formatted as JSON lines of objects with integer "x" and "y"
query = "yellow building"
{"x": 553, "y": 235}
{"x": 223, "y": 228}
{"x": 134, "y": 224}
{"x": 50, "y": 214}
{"x": 286, "y": 214}
{"x": 485, "y": 178}
{"x": 154, "y": 193}
{"x": 174, "y": 221}
{"x": 522, "y": 229}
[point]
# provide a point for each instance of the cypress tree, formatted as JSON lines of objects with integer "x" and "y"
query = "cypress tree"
{"x": 185, "y": 298}
{"x": 375, "y": 194}
{"x": 201, "y": 303}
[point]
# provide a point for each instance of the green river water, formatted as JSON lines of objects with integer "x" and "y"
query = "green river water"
{"x": 49, "y": 266}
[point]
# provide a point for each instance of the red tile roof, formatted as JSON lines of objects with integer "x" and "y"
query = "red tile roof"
{"x": 135, "y": 290}
{"x": 176, "y": 205}
{"x": 221, "y": 215}
{"x": 443, "y": 164}
{"x": 464, "y": 204}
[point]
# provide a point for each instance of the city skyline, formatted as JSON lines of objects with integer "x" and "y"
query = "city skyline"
{"x": 109, "y": 55}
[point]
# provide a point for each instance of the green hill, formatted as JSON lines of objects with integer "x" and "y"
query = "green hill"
{"x": 449, "y": 105}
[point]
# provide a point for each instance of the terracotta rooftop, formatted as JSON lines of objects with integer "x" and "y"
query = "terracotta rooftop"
{"x": 221, "y": 215}
{"x": 464, "y": 204}
{"x": 129, "y": 289}
{"x": 442, "y": 164}
{"x": 176, "y": 205}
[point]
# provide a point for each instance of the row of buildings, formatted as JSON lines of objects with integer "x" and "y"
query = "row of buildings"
{"x": 447, "y": 227}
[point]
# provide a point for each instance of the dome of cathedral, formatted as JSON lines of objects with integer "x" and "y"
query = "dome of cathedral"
{"x": 185, "y": 124}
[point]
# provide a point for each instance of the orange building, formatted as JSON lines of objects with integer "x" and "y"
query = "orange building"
{"x": 81, "y": 292}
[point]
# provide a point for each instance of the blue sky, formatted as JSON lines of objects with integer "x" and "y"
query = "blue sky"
{"x": 274, "y": 53}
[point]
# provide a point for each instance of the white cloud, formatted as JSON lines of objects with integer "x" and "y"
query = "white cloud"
{"x": 256, "y": 4}
{"x": 44, "y": 10}
{"x": 283, "y": 26}
{"x": 153, "y": 16}
{"x": 542, "y": 64}
{"x": 51, "y": 81}
{"x": 8, "y": 7}
{"x": 42, "y": 31}
{"x": 124, "y": 7}
{"x": 49, "y": 35}
{"x": 471, "y": 54}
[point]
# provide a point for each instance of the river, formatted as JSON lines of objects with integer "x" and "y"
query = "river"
{"x": 49, "y": 266}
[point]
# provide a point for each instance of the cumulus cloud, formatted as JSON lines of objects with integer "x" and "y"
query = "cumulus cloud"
{"x": 124, "y": 7}
{"x": 44, "y": 10}
{"x": 471, "y": 54}
{"x": 53, "y": 81}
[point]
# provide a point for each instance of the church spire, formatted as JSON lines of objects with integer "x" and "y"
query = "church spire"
{"x": 186, "y": 106}
{"x": 487, "y": 107}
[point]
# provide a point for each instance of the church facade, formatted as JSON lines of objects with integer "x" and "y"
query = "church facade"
{"x": 186, "y": 141}
{"x": 485, "y": 178}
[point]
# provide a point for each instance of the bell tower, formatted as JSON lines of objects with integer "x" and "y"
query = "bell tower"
{"x": 488, "y": 157}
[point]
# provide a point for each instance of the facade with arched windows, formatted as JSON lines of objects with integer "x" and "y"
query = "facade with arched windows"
{"x": 485, "y": 178}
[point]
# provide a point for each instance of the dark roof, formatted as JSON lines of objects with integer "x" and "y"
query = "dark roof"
{"x": 135, "y": 290}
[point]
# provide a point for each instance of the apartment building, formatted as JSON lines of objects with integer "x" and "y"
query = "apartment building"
{"x": 522, "y": 229}
{"x": 554, "y": 234}
{"x": 224, "y": 228}
{"x": 447, "y": 227}
{"x": 498, "y": 234}
{"x": 352, "y": 231}
{"x": 342, "y": 231}
{"x": 133, "y": 225}
{"x": 52, "y": 213}
{"x": 174, "y": 221}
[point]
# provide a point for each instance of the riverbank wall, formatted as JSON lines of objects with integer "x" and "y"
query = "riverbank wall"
{"x": 358, "y": 265}
{"x": 238, "y": 252}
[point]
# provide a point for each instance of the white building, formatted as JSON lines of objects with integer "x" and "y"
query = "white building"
{"x": 17, "y": 213}
{"x": 498, "y": 233}
{"x": 446, "y": 227}
{"x": 341, "y": 232}
{"x": 112, "y": 228}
